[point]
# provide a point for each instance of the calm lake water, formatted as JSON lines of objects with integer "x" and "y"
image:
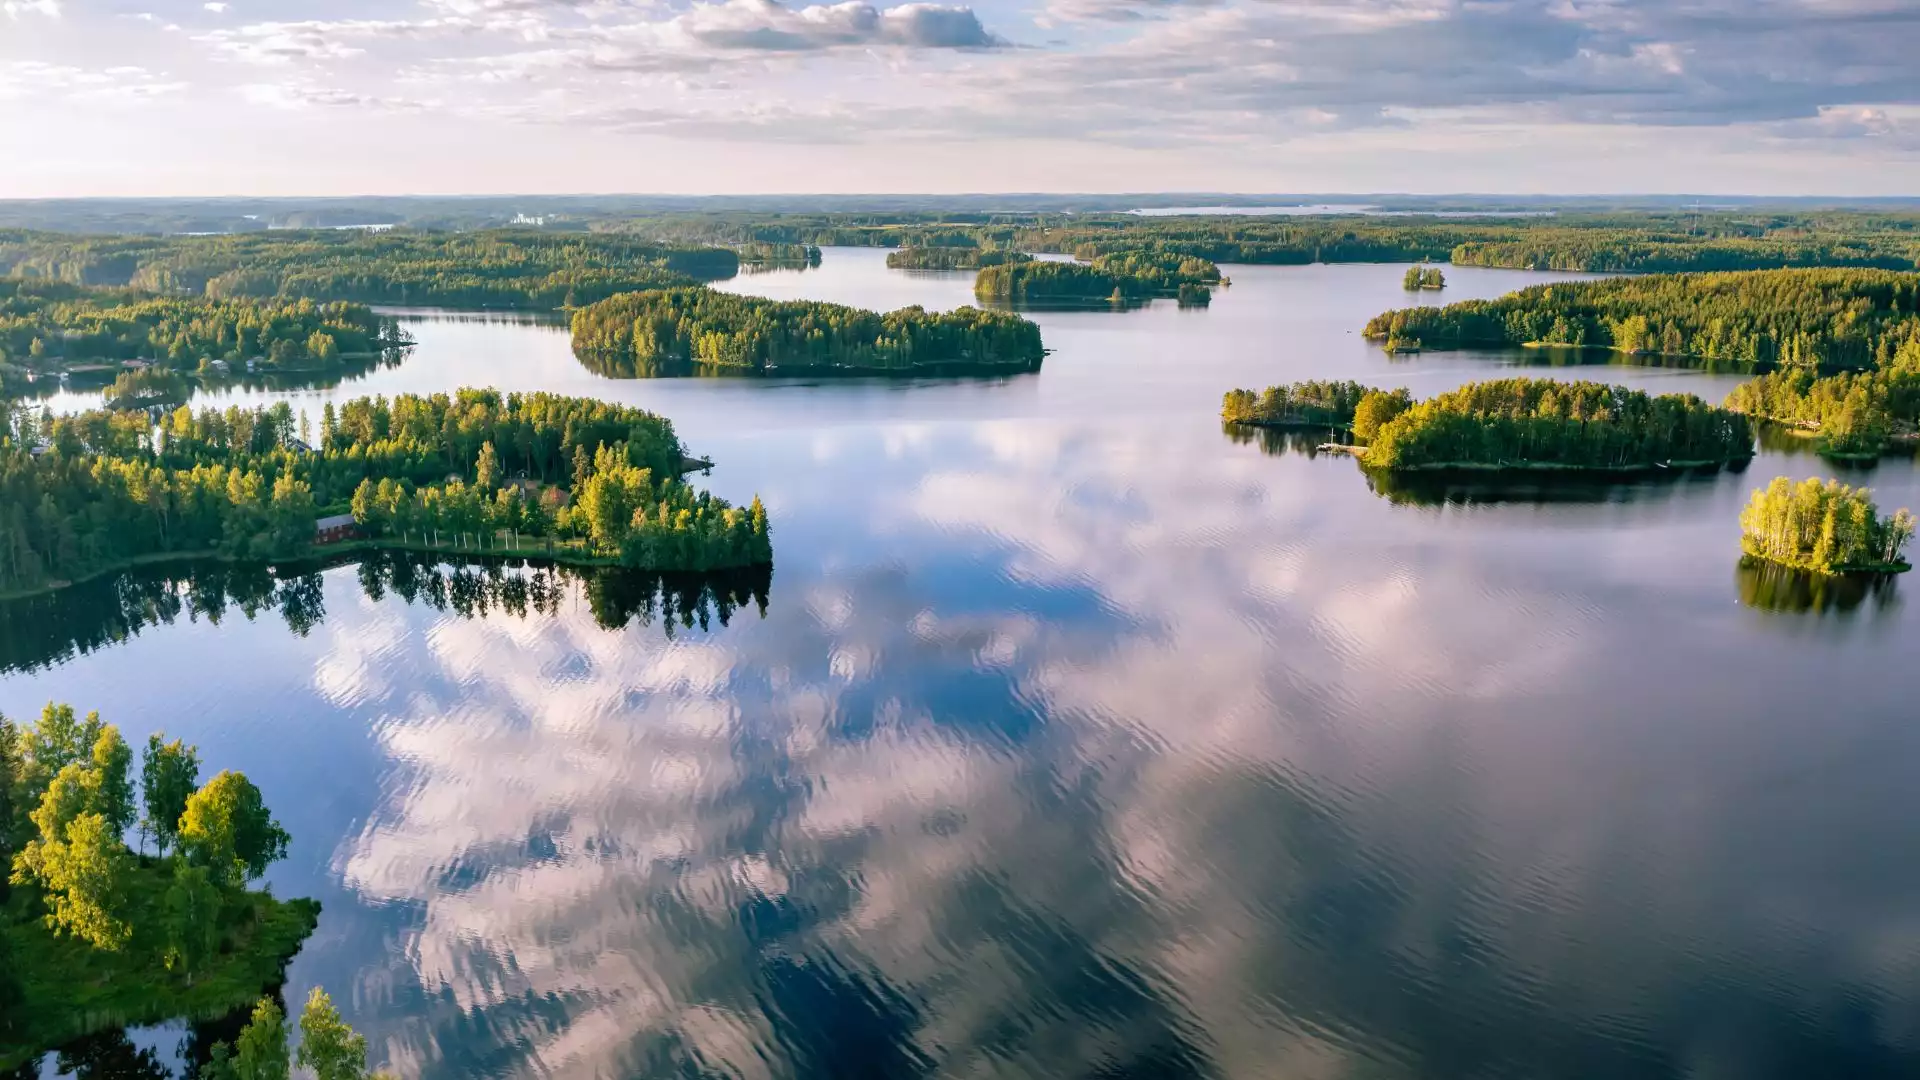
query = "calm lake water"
{"x": 1076, "y": 737}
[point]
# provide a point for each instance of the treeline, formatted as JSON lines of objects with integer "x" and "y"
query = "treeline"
{"x": 51, "y": 326}
{"x": 1853, "y": 319}
{"x": 759, "y": 254}
{"x": 1852, "y": 414}
{"x": 1625, "y": 242}
{"x": 953, "y": 258}
{"x": 1115, "y": 277}
{"x": 83, "y": 493}
{"x": 98, "y": 934}
{"x": 511, "y": 268}
{"x": 1823, "y": 526}
{"x": 1509, "y": 423}
{"x": 676, "y": 330}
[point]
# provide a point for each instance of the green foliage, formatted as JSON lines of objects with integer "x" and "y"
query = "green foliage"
{"x": 112, "y": 795}
{"x": 92, "y": 326}
{"x": 1854, "y": 413}
{"x": 260, "y": 1053}
{"x": 328, "y": 1046}
{"x": 82, "y": 867}
{"x": 1119, "y": 275}
{"x": 12, "y": 782}
{"x": 1812, "y": 318}
{"x": 495, "y": 268}
{"x": 953, "y": 258}
{"x": 169, "y": 774}
{"x": 678, "y": 329}
{"x": 113, "y": 489}
{"x": 193, "y": 905}
{"x": 1825, "y": 527}
{"x": 1532, "y": 423}
{"x": 1424, "y": 277}
{"x": 227, "y": 829}
{"x": 1304, "y": 404}
{"x": 58, "y": 740}
{"x": 1376, "y": 409}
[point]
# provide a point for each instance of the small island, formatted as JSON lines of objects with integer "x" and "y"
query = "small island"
{"x": 1424, "y": 278}
{"x": 697, "y": 330}
{"x": 953, "y": 258}
{"x": 1116, "y": 278}
{"x": 1824, "y": 527}
{"x": 535, "y": 475}
{"x": 94, "y": 934}
{"x": 1517, "y": 424}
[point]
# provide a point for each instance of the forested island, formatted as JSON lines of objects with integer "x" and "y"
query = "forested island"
{"x": 684, "y": 331}
{"x": 571, "y": 479}
{"x": 953, "y": 257}
{"x": 1424, "y": 277}
{"x": 95, "y": 934}
{"x": 510, "y": 268}
{"x": 1854, "y": 319}
{"x": 1118, "y": 277}
{"x": 1509, "y": 424}
{"x": 53, "y": 328}
{"x": 1824, "y": 527}
{"x": 778, "y": 256}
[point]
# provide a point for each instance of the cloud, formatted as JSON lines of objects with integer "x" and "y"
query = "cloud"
{"x": 285, "y": 42}
{"x": 16, "y": 8}
{"x": 218, "y": 7}
{"x": 24, "y": 79}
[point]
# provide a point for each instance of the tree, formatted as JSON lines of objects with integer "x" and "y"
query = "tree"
{"x": 10, "y": 781}
{"x": 333, "y": 1050}
{"x": 84, "y": 873}
{"x": 193, "y": 918}
{"x": 169, "y": 773}
{"x": 486, "y": 470}
{"x": 260, "y": 1053}
{"x": 58, "y": 740}
{"x": 112, "y": 786}
{"x": 227, "y": 829}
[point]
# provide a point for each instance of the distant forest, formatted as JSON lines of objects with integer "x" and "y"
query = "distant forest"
{"x": 521, "y": 268}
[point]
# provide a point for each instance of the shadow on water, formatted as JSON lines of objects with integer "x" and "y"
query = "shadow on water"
{"x": 171, "y": 1051}
{"x": 616, "y": 365}
{"x": 1768, "y": 586}
{"x": 1474, "y": 487}
{"x": 42, "y": 631}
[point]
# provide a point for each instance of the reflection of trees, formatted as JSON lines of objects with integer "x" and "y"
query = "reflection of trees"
{"x": 50, "y": 628}
{"x": 1769, "y": 586}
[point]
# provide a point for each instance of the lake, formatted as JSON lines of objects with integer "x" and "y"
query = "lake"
{"x": 1075, "y": 737}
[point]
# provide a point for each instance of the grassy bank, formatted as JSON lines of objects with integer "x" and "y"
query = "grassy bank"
{"x": 70, "y": 989}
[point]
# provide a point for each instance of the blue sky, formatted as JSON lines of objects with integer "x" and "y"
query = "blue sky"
{"x": 163, "y": 97}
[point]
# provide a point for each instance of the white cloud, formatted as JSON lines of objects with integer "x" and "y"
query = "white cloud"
{"x": 216, "y": 6}
{"x": 17, "y": 8}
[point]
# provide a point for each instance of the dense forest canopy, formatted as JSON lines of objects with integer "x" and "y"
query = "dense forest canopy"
{"x": 52, "y": 326}
{"x": 1509, "y": 423}
{"x": 513, "y": 268}
{"x": 952, "y": 258}
{"x": 84, "y": 493}
{"x": 1825, "y": 526}
{"x": 1115, "y": 276}
{"x": 670, "y": 330}
{"x": 1815, "y": 318}
{"x": 1654, "y": 241}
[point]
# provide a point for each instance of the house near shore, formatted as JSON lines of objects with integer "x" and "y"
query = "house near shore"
{"x": 332, "y": 530}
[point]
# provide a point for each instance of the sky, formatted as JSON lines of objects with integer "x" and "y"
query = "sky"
{"x": 346, "y": 97}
